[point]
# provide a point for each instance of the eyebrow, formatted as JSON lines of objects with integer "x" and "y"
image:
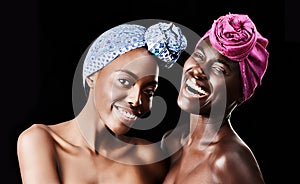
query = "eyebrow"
{"x": 200, "y": 48}
{"x": 218, "y": 60}
{"x": 224, "y": 63}
{"x": 129, "y": 73}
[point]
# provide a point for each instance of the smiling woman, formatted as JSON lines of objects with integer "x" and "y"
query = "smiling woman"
{"x": 121, "y": 70}
{"x": 227, "y": 65}
{"x": 129, "y": 82}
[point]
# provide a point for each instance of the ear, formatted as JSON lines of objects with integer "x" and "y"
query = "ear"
{"x": 91, "y": 79}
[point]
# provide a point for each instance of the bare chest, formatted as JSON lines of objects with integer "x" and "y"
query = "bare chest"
{"x": 95, "y": 169}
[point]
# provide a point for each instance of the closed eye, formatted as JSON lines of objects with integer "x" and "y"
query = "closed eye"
{"x": 197, "y": 55}
{"x": 220, "y": 67}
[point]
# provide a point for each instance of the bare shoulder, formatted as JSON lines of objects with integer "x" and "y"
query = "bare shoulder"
{"x": 34, "y": 136}
{"x": 235, "y": 163}
{"x": 36, "y": 155}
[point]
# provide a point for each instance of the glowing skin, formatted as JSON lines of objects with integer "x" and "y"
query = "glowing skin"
{"x": 74, "y": 151}
{"x": 213, "y": 152}
{"x": 208, "y": 77}
{"x": 129, "y": 84}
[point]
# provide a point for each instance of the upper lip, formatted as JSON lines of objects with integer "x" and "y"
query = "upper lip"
{"x": 202, "y": 87}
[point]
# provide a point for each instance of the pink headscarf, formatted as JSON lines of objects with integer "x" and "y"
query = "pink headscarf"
{"x": 235, "y": 36}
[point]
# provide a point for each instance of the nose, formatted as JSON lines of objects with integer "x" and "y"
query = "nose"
{"x": 134, "y": 96}
{"x": 198, "y": 73}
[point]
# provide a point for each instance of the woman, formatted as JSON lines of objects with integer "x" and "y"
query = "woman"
{"x": 121, "y": 71}
{"x": 227, "y": 65}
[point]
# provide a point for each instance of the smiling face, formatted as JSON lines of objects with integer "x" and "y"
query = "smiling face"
{"x": 124, "y": 89}
{"x": 208, "y": 79}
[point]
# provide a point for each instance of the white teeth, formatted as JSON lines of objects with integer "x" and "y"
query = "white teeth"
{"x": 127, "y": 114}
{"x": 195, "y": 87}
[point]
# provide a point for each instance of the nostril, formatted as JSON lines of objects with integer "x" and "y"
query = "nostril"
{"x": 202, "y": 76}
{"x": 198, "y": 73}
{"x": 134, "y": 105}
{"x": 199, "y": 76}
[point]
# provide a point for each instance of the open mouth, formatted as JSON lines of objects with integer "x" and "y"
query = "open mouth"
{"x": 195, "y": 90}
{"x": 124, "y": 115}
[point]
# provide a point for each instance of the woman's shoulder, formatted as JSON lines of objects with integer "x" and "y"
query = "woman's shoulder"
{"x": 36, "y": 132}
{"x": 232, "y": 145}
{"x": 35, "y": 143}
{"x": 35, "y": 135}
{"x": 234, "y": 155}
{"x": 43, "y": 134}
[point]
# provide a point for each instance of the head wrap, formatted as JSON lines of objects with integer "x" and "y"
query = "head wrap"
{"x": 163, "y": 40}
{"x": 235, "y": 36}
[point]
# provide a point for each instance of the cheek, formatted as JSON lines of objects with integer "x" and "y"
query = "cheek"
{"x": 234, "y": 91}
{"x": 103, "y": 93}
{"x": 102, "y": 97}
{"x": 219, "y": 90}
{"x": 189, "y": 63}
{"x": 218, "y": 84}
{"x": 188, "y": 105}
{"x": 108, "y": 91}
{"x": 147, "y": 103}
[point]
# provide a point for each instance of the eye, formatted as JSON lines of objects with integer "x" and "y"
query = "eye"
{"x": 219, "y": 69}
{"x": 125, "y": 82}
{"x": 149, "y": 92}
{"x": 197, "y": 55}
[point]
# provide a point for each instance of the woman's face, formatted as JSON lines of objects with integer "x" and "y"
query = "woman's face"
{"x": 124, "y": 89}
{"x": 209, "y": 80}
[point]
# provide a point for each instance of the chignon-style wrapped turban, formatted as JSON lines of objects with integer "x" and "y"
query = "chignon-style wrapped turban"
{"x": 235, "y": 36}
{"x": 163, "y": 40}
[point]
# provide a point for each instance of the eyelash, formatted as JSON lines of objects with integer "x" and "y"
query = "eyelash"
{"x": 219, "y": 69}
{"x": 149, "y": 92}
{"x": 198, "y": 55}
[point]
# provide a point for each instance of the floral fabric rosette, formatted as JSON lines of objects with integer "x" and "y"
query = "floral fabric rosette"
{"x": 235, "y": 36}
{"x": 163, "y": 40}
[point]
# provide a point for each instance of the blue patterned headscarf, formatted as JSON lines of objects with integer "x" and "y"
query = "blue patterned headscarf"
{"x": 163, "y": 40}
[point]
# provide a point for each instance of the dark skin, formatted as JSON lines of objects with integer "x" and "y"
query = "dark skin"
{"x": 82, "y": 150}
{"x": 213, "y": 151}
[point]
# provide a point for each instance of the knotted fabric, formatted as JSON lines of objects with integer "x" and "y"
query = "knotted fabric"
{"x": 235, "y": 36}
{"x": 163, "y": 40}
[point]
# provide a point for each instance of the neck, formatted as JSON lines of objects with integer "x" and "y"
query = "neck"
{"x": 93, "y": 130}
{"x": 89, "y": 123}
{"x": 206, "y": 130}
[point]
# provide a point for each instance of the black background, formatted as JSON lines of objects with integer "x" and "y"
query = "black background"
{"x": 42, "y": 41}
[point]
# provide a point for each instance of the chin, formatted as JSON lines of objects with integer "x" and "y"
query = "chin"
{"x": 188, "y": 106}
{"x": 120, "y": 130}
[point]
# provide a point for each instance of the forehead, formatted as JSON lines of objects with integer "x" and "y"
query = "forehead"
{"x": 212, "y": 53}
{"x": 138, "y": 61}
